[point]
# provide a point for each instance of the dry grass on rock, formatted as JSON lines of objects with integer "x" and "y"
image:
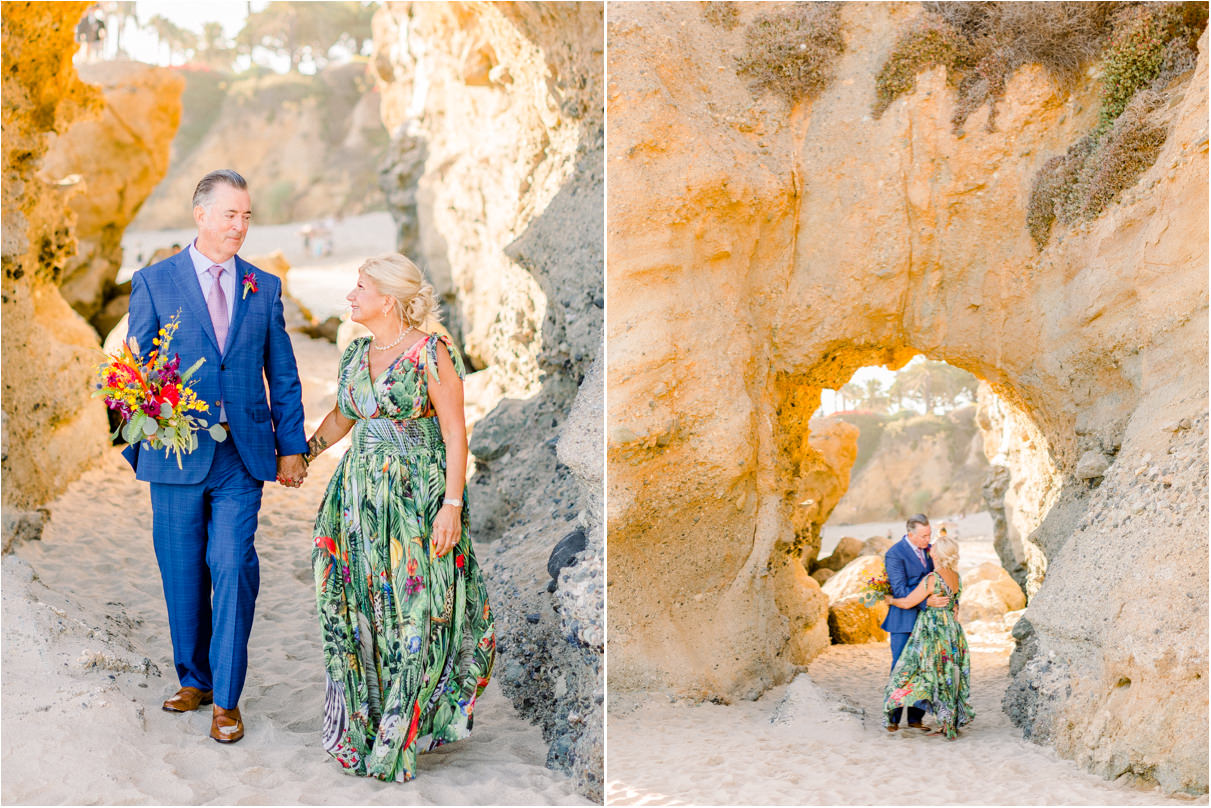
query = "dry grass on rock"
{"x": 792, "y": 52}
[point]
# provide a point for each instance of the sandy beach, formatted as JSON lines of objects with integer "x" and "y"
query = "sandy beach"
{"x": 87, "y": 662}
{"x": 819, "y": 740}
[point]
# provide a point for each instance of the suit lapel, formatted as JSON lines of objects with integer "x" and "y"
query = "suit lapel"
{"x": 240, "y": 307}
{"x": 191, "y": 290}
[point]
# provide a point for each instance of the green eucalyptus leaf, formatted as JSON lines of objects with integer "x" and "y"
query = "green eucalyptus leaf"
{"x": 185, "y": 376}
{"x": 149, "y": 427}
{"x": 218, "y": 433}
{"x": 165, "y": 410}
{"x": 128, "y": 432}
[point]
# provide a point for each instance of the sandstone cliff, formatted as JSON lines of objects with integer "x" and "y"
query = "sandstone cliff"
{"x": 760, "y": 253}
{"x": 928, "y": 463}
{"x": 1019, "y": 489}
{"x": 51, "y": 429}
{"x": 310, "y": 146}
{"x": 117, "y": 159}
{"x": 495, "y": 177}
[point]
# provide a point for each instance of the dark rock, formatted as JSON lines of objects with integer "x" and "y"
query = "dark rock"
{"x": 23, "y": 526}
{"x": 564, "y": 554}
{"x": 324, "y": 330}
{"x": 533, "y": 618}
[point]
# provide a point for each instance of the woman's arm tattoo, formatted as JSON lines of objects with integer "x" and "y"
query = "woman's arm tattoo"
{"x": 316, "y": 445}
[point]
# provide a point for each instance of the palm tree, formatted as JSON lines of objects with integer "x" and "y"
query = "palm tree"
{"x": 120, "y": 13}
{"x": 850, "y": 391}
{"x": 874, "y": 395}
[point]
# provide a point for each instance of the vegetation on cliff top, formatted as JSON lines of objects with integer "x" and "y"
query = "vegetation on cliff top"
{"x": 1151, "y": 45}
{"x": 982, "y": 44}
{"x": 1142, "y": 47}
{"x": 791, "y": 52}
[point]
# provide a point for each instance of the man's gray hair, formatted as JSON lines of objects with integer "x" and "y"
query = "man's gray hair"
{"x": 204, "y": 194}
{"x": 917, "y": 519}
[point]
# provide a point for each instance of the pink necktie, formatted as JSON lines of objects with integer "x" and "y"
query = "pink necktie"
{"x": 217, "y": 304}
{"x": 921, "y": 555}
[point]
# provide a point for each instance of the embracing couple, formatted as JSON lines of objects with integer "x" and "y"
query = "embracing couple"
{"x": 930, "y": 670}
{"x": 408, "y": 639}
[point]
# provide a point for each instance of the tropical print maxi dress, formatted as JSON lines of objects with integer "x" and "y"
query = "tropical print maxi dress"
{"x": 934, "y": 667}
{"x": 408, "y": 637}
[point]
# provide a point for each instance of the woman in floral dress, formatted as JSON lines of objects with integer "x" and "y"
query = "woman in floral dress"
{"x": 408, "y": 635}
{"x": 934, "y": 666}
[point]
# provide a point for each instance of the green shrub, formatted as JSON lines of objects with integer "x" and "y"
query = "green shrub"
{"x": 1051, "y": 188}
{"x": 723, "y": 15}
{"x": 205, "y": 93}
{"x": 792, "y": 52}
{"x": 919, "y": 501}
{"x": 278, "y": 201}
{"x": 1152, "y": 44}
{"x": 1149, "y": 38}
{"x": 1119, "y": 158}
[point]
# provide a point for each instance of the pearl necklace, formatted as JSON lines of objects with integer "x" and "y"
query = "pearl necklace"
{"x": 398, "y": 340}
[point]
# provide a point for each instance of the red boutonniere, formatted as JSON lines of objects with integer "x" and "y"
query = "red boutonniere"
{"x": 249, "y": 284}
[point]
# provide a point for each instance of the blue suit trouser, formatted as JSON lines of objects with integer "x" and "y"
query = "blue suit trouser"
{"x": 203, "y": 535}
{"x": 915, "y": 713}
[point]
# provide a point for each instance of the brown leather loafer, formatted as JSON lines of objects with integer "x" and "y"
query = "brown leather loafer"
{"x": 918, "y": 725}
{"x": 187, "y": 699}
{"x": 226, "y": 726}
{"x": 892, "y": 727}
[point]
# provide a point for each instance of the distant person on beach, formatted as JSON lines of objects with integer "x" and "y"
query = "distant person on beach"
{"x": 934, "y": 668}
{"x": 408, "y": 636}
{"x": 204, "y": 513}
{"x": 907, "y": 564}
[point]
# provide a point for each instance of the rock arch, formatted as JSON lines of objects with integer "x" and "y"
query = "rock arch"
{"x": 757, "y": 256}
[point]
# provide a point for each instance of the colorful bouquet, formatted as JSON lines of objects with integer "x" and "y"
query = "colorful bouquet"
{"x": 153, "y": 396}
{"x": 875, "y": 588}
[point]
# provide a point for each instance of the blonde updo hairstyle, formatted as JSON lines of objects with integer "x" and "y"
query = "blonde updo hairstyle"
{"x": 399, "y": 278}
{"x": 945, "y": 553}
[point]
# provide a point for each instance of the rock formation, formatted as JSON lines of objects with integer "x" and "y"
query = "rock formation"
{"x": 51, "y": 430}
{"x": 989, "y": 593}
{"x": 117, "y": 159}
{"x": 310, "y": 146}
{"x": 1020, "y": 487}
{"x": 495, "y": 178}
{"x": 759, "y": 254}
{"x": 849, "y": 620}
{"x": 928, "y": 463}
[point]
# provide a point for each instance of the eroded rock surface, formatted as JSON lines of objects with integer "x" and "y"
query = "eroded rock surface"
{"x": 759, "y": 255}
{"x": 495, "y": 178}
{"x": 116, "y": 158}
{"x": 51, "y": 429}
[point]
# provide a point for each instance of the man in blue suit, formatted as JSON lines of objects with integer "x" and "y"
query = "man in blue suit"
{"x": 204, "y": 514}
{"x": 907, "y": 563}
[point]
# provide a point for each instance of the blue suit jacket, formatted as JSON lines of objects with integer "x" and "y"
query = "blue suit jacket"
{"x": 904, "y": 572}
{"x": 258, "y": 354}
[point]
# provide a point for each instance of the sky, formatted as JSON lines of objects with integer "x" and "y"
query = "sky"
{"x": 141, "y": 44}
{"x": 828, "y": 398}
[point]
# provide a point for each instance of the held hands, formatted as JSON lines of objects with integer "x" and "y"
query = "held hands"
{"x": 291, "y": 470}
{"x": 447, "y": 527}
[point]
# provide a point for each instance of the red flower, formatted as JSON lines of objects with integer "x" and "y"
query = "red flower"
{"x": 171, "y": 394}
{"x": 249, "y": 284}
{"x": 459, "y": 561}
